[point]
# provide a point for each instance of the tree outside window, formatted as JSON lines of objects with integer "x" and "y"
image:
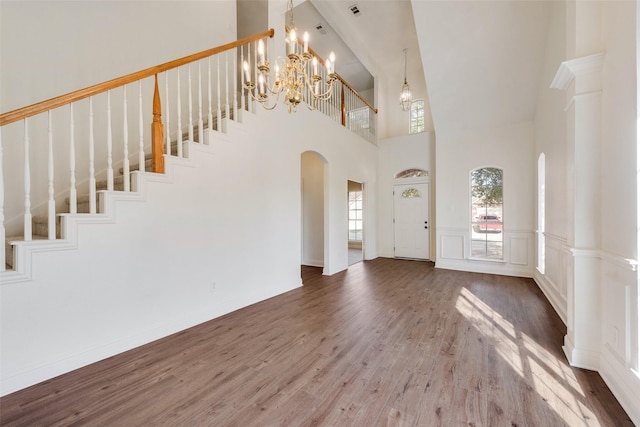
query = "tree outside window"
{"x": 486, "y": 213}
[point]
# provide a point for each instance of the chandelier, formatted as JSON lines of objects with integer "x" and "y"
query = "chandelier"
{"x": 296, "y": 76}
{"x": 405, "y": 94}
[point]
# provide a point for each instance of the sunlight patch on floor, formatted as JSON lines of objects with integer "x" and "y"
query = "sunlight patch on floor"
{"x": 551, "y": 378}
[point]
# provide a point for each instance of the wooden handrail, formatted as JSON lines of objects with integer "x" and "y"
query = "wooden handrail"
{"x": 344, "y": 82}
{"x": 41, "y": 107}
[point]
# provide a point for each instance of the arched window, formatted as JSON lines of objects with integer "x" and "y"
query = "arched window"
{"x": 412, "y": 173}
{"x": 486, "y": 213}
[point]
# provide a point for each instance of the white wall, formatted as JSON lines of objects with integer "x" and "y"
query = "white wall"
{"x": 223, "y": 233}
{"x": 620, "y": 330}
{"x": 510, "y": 148}
{"x": 395, "y": 155}
{"x": 593, "y": 278}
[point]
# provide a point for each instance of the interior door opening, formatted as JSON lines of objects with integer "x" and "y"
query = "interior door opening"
{"x": 356, "y": 207}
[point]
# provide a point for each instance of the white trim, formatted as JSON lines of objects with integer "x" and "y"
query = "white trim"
{"x": 623, "y": 381}
{"x": 557, "y": 300}
{"x": 585, "y": 359}
{"x": 572, "y": 68}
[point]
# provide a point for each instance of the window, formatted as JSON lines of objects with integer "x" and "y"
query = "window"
{"x": 417, "y": 116}
{"x": 486, "y": 213}
{"x": 541, "y": 196}
{"x": 410, "y": 193}
{"x": 412, "y": 173}
{"x": 355, "y": 216}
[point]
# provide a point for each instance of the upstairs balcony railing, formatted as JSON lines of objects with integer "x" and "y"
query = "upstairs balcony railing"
{"x": 72, "y": 144}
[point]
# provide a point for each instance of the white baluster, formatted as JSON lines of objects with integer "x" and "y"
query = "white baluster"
{"x": 210, "y": 116}
{"x": 109, "y": 145}
{"x": 27, "y": 184}
{"x": 200, "y": 122}
{"x": 3, "y": 255}
{"x": 51, "y": 214}
{"x": 73, "y": 193}
{"x": 125, "y": 134}
{"x": 242, "y": 78}
{"x": 141, "y": 159}
{"x": 190, "y": 106}
{"x": 219, "y": 112}
{"x": 167, "y": 131}
{"x": 235, "y": 84}
{"x": 92, "y": 167}
{"x": 179, "y": 144}
{"x": 226, "y": 80}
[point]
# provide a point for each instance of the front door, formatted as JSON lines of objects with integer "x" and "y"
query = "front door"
{"x": 411, "y": 220}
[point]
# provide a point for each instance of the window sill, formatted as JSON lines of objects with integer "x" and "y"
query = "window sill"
{"x": 495, "y": 261}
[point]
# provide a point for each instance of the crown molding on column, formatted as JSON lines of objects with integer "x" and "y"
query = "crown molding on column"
{"x": 572, "y": 68}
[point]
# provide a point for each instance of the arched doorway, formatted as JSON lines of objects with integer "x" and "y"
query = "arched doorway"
{"x": 312, "y": 195}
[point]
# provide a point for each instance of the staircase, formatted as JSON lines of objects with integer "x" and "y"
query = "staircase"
{"x": 214, "y": 100}
{"x": 40, "y": 223}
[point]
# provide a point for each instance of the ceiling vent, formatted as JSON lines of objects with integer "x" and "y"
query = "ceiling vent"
{"x": 320, "y": 28}
{"x": 355, "y": 10}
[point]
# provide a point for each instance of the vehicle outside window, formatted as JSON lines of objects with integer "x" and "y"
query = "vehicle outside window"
{"x": 488, "y": 224}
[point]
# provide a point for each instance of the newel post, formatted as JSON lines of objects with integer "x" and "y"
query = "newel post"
{"x": 157, "y": 133}
{"x": 343, "y": 107}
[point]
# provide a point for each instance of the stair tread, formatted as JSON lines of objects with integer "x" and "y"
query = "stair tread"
{"x": 21, "y": 238}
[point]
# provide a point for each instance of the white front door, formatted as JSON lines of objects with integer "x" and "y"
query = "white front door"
{"x": 411, "y": 220}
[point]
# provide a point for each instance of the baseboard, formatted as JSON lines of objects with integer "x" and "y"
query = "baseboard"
{"x": 552, "y": 296}
{"x": 623, "y": 382}
{"x": 579, "y": 358}
{"x": 500, "y": 268}
{"x": 313, "y": 262}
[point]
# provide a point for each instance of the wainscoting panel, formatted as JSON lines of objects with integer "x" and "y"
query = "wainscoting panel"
{"x": 519, "y": 250}
{"x": 452, "y": 247}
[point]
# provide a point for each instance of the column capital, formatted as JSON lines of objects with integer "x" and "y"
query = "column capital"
{"x": 575, "y": 68}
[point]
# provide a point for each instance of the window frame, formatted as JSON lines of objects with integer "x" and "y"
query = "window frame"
{"x": 475, "y": 225}
{"x": 418, "y": 127}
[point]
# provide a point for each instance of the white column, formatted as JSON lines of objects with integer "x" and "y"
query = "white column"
{"x": 582, "y": 79}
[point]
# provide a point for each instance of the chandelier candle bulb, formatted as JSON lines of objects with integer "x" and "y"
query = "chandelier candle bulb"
{"x": 261, "y": 51}
{"x": 332, "y": 60}
{"x": 291, "y": 78}
{"x": 247, "y": 73}
{"x": 292, "y": 41}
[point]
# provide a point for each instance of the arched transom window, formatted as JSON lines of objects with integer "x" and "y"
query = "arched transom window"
{"x": 412, "y": 173}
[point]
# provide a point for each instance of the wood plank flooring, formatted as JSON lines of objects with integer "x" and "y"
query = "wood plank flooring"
{"x": 386, "y": 343}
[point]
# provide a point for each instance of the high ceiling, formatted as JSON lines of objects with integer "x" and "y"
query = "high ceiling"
{"x": 482, "y": 59}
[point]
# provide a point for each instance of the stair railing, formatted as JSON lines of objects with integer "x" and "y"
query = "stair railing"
{"x": 91, "y": 114}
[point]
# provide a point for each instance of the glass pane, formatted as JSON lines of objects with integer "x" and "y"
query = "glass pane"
{"x": 412, "y": 173}
{"x": 486, "y": 213}
{"x": 410, "y": 193}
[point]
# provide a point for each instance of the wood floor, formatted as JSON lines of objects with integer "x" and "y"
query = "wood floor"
{"x": 389, "y": 342}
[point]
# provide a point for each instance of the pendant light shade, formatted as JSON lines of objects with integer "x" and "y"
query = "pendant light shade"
{"x": 405, "y": 95}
